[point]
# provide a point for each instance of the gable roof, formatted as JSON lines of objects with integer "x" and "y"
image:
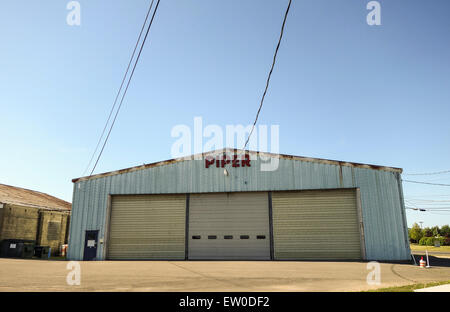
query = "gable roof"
{"x": 237, "y": 151}
{"x": 20, "y": 196}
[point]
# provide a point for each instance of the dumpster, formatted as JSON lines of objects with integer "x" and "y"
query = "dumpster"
{"x": 11, "y": 248}
{"x": 16, "y": 248}
{"x": 42, "y": 252}
{"x": 4, "y": 248}
{"x": 28, "y": 250}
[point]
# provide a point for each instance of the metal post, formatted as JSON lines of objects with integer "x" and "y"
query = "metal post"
{"x": 415, "y": 263}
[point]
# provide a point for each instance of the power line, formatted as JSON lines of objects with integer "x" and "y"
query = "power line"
{"x": 435, "y": 205}
{"x": 437, "y": 208}
{"x": 128, "y": 84}
{"x": 440, "y": 214}
{"x": 270, "y": 73}
{"x": 430, "y": 201}
{"x": 427, "y": 173}
{"x": 410, "y": 203}
{"x": 441, "y": 209}
{"x": 429, "y": 209}
{"x": 420, "y": 182}
{"x": 429, "y": 195}
{"x": 120, "y": 89}
{"x": 421, "y": 209}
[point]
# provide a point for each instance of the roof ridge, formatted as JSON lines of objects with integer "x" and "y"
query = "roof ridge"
{"x": 228, "y": 149}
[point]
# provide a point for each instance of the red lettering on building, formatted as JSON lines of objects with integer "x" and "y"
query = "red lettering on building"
{"x": 235, "y": 162}
{"x": 224, "y": 160}
{"x": 209, "y": 161}
{"x": 246, "y": 161}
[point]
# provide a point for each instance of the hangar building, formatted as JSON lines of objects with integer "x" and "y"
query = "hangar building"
{"x": 222, "y": 205}
{"x": 27, "y": 215}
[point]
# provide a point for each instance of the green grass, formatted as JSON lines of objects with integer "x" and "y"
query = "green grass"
{"x": 417, "y": 247}
{"x": 409, "y": 288}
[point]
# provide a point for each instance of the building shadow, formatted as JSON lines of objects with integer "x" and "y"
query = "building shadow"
{"x": 434, "y": 261}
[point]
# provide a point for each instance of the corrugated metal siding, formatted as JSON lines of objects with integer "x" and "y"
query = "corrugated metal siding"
{"x": 380, "y": 196}
{"x": 229, "y": 214}
{"x": 147, "y": 227}
{"x": 316, "y": 225}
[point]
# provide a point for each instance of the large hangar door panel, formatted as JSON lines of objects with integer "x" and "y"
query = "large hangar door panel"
{"x": 229, "y": 226}
{"x": 147, "y": 227}
{"x": 316, "y": 225}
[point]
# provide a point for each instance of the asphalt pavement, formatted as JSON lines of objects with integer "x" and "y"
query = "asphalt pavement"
{"x": 224, "y": 276}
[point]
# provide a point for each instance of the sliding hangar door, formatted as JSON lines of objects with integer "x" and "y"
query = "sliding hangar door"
{"x": 291, "y": 225}
{"x": 229, "y": 226}
{"x": 147, "y": 227}
{"x": 316, "y": 225}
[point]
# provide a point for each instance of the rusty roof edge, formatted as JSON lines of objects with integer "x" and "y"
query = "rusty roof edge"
{"x": 234, "y": 150}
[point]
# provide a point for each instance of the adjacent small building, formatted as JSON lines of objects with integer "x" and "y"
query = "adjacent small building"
{"x": 229, "y": 205}
{"x": 33, "y": 216}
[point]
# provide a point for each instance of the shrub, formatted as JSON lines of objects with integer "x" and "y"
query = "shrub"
{"x": 427, "y": 236}
{"x": 423, "y": 241}
{"x": 447, "y": 241}
{"x": 430, "y": 241}
{"x": 441, "y": 240}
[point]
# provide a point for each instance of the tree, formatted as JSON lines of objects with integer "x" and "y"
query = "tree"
{"x": 427, "y": 232}
{"x": 445, "y": 230}
{"x": 415, "y": 233}
{"x": 435, "y": 230}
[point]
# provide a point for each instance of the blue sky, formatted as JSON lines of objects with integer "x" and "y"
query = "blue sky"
{"x": 340, "y": 90}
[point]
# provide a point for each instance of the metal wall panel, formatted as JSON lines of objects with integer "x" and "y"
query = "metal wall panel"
{"x": 147, "y": 227}
{"x": 381, "y": 203}
{"x": 316, "y": 225}
{"x": 229, "y": 226}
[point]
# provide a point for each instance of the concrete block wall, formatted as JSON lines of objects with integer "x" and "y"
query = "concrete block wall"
{"x": 19, "y": 222}
{"x": 52, "y": 230}
{"x": 47, "y": 228}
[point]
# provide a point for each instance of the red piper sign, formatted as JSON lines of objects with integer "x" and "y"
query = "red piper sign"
{"x": 223, "y": 160}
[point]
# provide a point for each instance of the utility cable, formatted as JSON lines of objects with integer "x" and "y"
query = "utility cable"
{"x": 428, "y": 209}
{"x": 427, "y": 173}
{"x": 419, "y": 182}
{"x": 270, "y": 74}
{"x": 128, "y": 84}
{"x": 120, "y": 89}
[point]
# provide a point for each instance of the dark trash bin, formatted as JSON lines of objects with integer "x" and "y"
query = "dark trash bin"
{"x": 13, "y": 248}
{"x": 42, "y": 252}
{"x": 38, "y": 251}
{"x": 28, "y": 250}
{"x": 16, "y": 248}
{"x": 4, "y": 248}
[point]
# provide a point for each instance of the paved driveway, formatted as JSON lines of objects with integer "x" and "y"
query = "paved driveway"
{"x": 41, "y": 275}
{"x": 442, "y": 288}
